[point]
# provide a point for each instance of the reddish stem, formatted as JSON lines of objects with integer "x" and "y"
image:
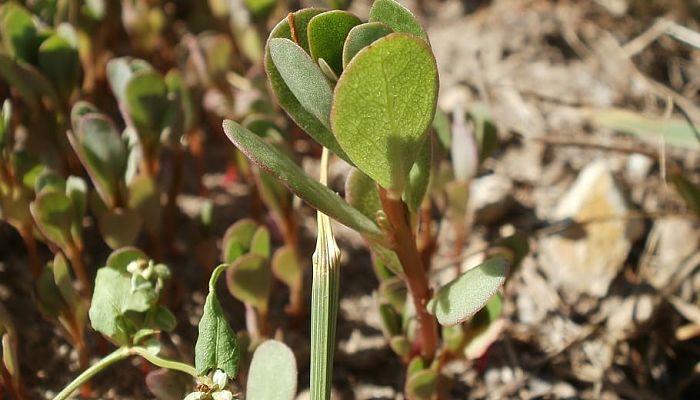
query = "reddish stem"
{"x": 32, "y": 251}
{"x": 76, "y": 259}
{"x": 404, "y": 244}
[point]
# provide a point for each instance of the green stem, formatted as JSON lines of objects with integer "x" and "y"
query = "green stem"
{"x": 118, "y": 355}
{"x": 162, "y": 362}
{"x": 324, "y": 302}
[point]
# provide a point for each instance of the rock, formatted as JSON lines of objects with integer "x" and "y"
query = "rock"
{"x": 585, "y": 258}
{"x": 674, "y": 239}
{"x": 490, "y": 198}
{"x": 638, "y": 167}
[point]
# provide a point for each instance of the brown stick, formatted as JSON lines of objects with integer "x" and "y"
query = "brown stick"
{"x": 404, "y": 244}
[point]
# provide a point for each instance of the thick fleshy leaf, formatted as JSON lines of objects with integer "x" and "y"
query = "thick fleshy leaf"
{"x": 119, "y": 72}
{"x": 485, "y": 328}
{"x": 460, "y": 299}
{"x": 327, "y": 33}
{"x": 400, "y": 345}
{"x": 249, "y": 279}
{"x": 100, "y": 149}
{"x": 144, "y": 198}
{"x": 53, "y": 213}
{"x": 391, "y": 321}
{"x": 362, "y": 36}
{"x": 165, "y": 384}
{"x": 64, "y": 283}
{"x": 317, "y": 195}
{"x": 49, "y": 297}
{"x": 260, "y": 243}
{"x": 5, "y": 122}
{"x": 76, "y": 190}
{"x": 237, "y": 239}
{"x": 286, "y": 268}
{"x": 29, "y": 83}
{"x": 397, "y": 17}
{"x": 303, "y": 78}
{"x": 419, "y": 177}
{"x": 383, "y": 105}
{"x": 361, "y": 192}
{"x": 60, "y": 62}
{"x": 147, "y": 104}
{"x": 217, "y": 345}
{"x": 119, "y": 227}
{"x": 18, "y": 32}
{"x": 393, "y": 291}
{"x": 422, "y": 385}
{"x": 272, "y": 359}
{"x": 121, "y": 258}
{"x": 306, "y": 120}
{"x": 260, "y": 8}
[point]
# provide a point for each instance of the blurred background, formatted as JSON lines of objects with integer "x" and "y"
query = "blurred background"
{"x": 585, "y": 118}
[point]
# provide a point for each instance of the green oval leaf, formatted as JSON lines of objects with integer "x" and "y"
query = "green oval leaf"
{"x": 100, "y": 149}
{"x": 59, "y": 62}
{"x": 237, "y": 239}
{"x": 119, "y": 227}
{"x": 146, "y": 100}
{"x": 361, "y": 193}
{"x": 422, "y": 385}
{"x": 18, "y": 32}
{"x": 286, "y": 268}
{"x": 327, "y": 32}
{"x": 383, "y": 105}
{"x": 273, "y": 373}
{"x": 260, "y": 243}
{"x": 397, "y": 17}
{"x": 362, "y": 36}
{"x": 295, "y": 179}
{"x": 419, "y": 177}
{"x": 249, "y": 279}
{"x": 53, "y": 213}
{"x": 460, "y": 299}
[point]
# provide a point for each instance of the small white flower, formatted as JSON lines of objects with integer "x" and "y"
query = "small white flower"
{"x": 220, "y": 379}
{"x": 222, "y": 395}
{"x": 195, "y": 396}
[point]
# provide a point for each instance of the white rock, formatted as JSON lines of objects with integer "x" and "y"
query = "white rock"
{"x": 586, "y": 258}
{"x": 490, "y": 198}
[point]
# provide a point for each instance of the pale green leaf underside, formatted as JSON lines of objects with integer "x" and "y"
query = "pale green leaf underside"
{"x": 273, "y": 373}
{"x": 463, "y": 297}
{"x": 294, "y": 178}
{"x": 383, "y": 105}
{"x": 303, "y": 78}
{"x": 306, "y": 120}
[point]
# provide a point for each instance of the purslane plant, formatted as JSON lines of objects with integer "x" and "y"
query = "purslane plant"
{"x": 368, "y": 92}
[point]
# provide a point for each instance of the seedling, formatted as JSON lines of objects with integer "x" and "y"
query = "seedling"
{"x": 368, "y": 93}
